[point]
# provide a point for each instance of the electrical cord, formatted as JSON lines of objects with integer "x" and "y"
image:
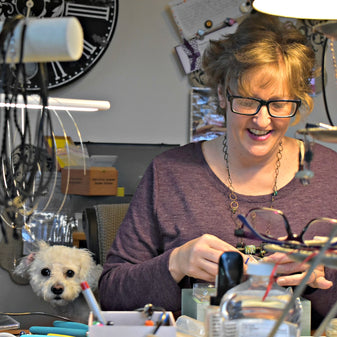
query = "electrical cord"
{"x": 323, "y": 84}
{"x": 25, "y": 177}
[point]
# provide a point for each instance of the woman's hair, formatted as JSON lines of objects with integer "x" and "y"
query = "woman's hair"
{"x": 262, "y": 43}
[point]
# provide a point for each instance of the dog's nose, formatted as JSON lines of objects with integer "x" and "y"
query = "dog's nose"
{"x": 57, "y": 290}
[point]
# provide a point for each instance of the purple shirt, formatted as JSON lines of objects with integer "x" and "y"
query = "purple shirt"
{"x": 179, "y": 199}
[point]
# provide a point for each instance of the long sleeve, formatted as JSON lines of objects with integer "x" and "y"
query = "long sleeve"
{"x": 136, "y": 271}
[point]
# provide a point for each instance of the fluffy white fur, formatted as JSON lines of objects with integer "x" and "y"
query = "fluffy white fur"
{"x": 55, "y": 273}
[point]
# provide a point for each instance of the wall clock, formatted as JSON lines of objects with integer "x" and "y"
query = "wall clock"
{"x": 98, "y": 19}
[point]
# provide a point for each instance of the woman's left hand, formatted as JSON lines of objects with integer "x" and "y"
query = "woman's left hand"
{"x": 292, "y": 273}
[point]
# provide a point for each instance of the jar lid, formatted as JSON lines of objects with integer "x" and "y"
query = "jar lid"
{"x": 260, "y": 268}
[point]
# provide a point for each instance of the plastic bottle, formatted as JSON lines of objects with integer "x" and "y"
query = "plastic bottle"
{"x": 213, "y": 319}
{"x": 245, "y": 313}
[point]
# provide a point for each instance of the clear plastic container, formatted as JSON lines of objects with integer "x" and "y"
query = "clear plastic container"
{"x": 190, "y": 326}
{"x": 245, "y": 313}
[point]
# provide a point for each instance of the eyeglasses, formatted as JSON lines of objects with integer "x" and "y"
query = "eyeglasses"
{"x": 262, "y": 221}
{"x": 249, "y": 106}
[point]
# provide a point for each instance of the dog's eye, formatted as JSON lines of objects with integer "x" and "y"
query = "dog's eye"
{"x": 45, "y": 272}
{"x": 70, "y": 273}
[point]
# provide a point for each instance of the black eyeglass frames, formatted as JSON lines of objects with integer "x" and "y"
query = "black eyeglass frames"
{"x": 249, "y": 106}
{"x": 263, "y": 223}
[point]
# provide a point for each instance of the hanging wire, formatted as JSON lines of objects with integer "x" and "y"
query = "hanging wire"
{"x": 26, "y": 166}
{"x": 323, "y": 83}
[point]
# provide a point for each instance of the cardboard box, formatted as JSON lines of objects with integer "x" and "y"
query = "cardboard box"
{"x": 131, "y": 324}
{"x": 96, "y": 181}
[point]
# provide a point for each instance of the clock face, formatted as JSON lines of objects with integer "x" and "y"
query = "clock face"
{"x": 98, "y": 19}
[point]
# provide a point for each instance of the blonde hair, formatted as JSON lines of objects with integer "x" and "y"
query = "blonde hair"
{"x": 262, "y": 43}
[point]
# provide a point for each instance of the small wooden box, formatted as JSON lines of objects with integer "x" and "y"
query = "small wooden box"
{"x": 96, "y": 181}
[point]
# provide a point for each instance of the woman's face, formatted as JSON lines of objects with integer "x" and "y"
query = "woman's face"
{"x": 258, "y": 136}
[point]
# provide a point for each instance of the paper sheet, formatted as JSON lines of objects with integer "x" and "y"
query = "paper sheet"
{"x": 190, "y": 15}
{"x": 190, "y": 52}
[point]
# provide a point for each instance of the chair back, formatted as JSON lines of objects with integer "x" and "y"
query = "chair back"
{"x": 100, "y": 224}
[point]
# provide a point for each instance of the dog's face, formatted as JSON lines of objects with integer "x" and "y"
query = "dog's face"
{"x": 56, "y": 273}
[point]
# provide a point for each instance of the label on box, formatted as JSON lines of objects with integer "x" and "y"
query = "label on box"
{"x": 92, "y": 181}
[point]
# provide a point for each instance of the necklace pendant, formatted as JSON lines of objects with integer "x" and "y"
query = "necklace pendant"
{"x": 239, "y": 232}
{"x": 260, "y": 251}
{"x": 240, "y": 246}
{"x": 250, "y": 249}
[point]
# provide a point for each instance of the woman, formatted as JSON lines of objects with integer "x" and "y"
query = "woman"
{"x": 183, "y": 215}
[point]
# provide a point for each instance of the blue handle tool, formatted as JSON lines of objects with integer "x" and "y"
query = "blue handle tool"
{"x": 71, "y": 325}
{"x": 44, "y": 330}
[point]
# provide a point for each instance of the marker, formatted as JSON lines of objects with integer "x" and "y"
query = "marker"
{"x": 163, "y": 319}
{"x": 92, "y": 303}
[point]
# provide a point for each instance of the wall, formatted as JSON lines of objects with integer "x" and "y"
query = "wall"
{"x": 142, "y": 78}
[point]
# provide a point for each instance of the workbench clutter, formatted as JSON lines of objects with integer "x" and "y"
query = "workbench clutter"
{"x": 82, "y": 174}
{"x": 134, "y": 324}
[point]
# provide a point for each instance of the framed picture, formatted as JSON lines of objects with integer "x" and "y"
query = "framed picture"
{"x": 205, "y": 121}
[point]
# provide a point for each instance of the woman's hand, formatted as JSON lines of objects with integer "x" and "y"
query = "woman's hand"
{"x": 287, "y": 267}
{"x": 198, "y": 258}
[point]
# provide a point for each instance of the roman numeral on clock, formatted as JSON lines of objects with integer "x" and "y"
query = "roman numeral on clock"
{"x": 58, "y": 70}
{"x": 95, "y": 12}
{"x": 88, "y": 48}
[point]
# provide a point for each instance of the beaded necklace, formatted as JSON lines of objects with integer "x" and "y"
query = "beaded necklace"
{"x": 234, "y": 203}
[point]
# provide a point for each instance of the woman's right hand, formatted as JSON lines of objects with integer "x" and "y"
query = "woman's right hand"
{"x": 198, "y": 258}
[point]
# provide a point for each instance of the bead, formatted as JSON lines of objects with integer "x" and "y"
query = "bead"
{"x": 208, "y": 24}
{"x": 239, "y": 232}
{"x": 250, "y": 249}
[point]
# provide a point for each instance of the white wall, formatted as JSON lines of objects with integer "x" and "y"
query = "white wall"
{"x": 141, "y": 78}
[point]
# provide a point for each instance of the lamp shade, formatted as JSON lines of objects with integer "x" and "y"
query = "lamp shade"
{"x": 301, "y": 9}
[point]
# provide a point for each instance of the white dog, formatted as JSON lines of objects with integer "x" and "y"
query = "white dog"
{"x": 55, "y": 273}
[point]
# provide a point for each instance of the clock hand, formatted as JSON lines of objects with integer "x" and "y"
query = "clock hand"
{"x": 29, "y": 4}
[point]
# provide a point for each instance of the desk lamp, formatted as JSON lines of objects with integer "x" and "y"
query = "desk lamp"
{"x": 299, "y": 9}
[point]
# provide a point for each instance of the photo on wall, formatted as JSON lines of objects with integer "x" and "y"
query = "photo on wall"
{"x": 205, "y": 121}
